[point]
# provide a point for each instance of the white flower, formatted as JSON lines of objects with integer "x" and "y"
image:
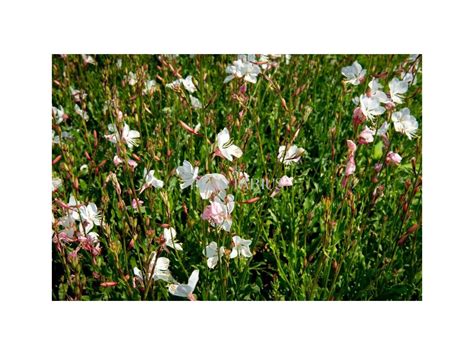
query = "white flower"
{"x": 57, "y": 182}
{"x": 157, "y": 268}
{"x": 73, "y": 204}
{"x": 150, "y": 180}
{"x": 88, "y": 59}
{"x": 78, "y": 95}
{"x": 90, "y": 216}
{"x": 354, "y": 73}
{"x": 68, "y": 222}
{"x": 64, "y": 135}
{"x": 226, "y": 148}
{"x": 404, "y": 122}
{"x": 408, "y": 78}
{"x": 187, "y": 173}
{"x": 291, "y": 155}
{"x": 376, "y": 91}
{"x": 150, "y": 87}
{"x": 265, "y": 61}
{"x": 130, "y": 137}
{"x": 59, "y": 114}
{"x": 188, "y": 84}
{"x": 81, "y": 112}
{"x": 397, "y": 89}
{"x": 131, "y": 78}
{"x": 195, "y": 103}
{"x": 169, "y": 234}
{"x": 370, "y": 106}
{"x": 185, "y": 290}
{"x": 174, "y": 85}
{"x": 90, "y": 238}
{"x": 213, "y": 254}
{"x": 243, "y": 67}
{"x": 233, "y": 70}
{"x": 241, "y": 247}
{"x": 285, "y": 181}
{"x": 84, "y": 168}
{"x": 211, "y": 184}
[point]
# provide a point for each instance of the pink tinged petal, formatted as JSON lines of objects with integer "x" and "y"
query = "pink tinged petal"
{"x": 366, "y": 136}
{"x": 285, "y": 181}
{"x": 351, "y": 146}
{"x": 358, "y": 116}
{"x": 207, "y": 214}
{"x": 350, "y": 167}
{"x": 393, "y": 158}
{"x": 117, "y": 161}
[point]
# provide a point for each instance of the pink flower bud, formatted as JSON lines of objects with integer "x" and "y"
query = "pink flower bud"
{"x": 393, "y": 158}
{"x": 366, "y": 136}
{"x": 117, "y": 160}
{"x": 136, "y": 203}
{"x": 358, "y": 116}
{"x": 350, "y": 166}
{"x": 352, "y": 147}
{"x": 132, "y": 163}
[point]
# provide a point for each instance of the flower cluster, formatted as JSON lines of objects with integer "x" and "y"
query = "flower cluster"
{"x": 188, "y": 84}
{"x": 372, "y": 105}
{"x": 77, "y": 224}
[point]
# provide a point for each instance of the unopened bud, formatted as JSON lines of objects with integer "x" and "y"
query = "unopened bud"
{"x": 413, "y": 165}
{"x": 407, "y": 184}
{"x": 405, "y": 207}
{"x": 57, "y": 159}
{"x": 101, "y": 164}
{"x": 402, "y": 240}
{"x": 412, "y": 229}
{"x": 252, "y": 200}
{"x": 136, "y": 157}
{"x": 108, "y": 284}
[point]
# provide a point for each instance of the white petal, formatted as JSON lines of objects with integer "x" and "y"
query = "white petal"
{"x": 193, "y": 279}
{"x": 222, "y": 138}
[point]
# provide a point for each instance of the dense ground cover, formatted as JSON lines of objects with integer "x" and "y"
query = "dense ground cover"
{"x": 316, "y": 192}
